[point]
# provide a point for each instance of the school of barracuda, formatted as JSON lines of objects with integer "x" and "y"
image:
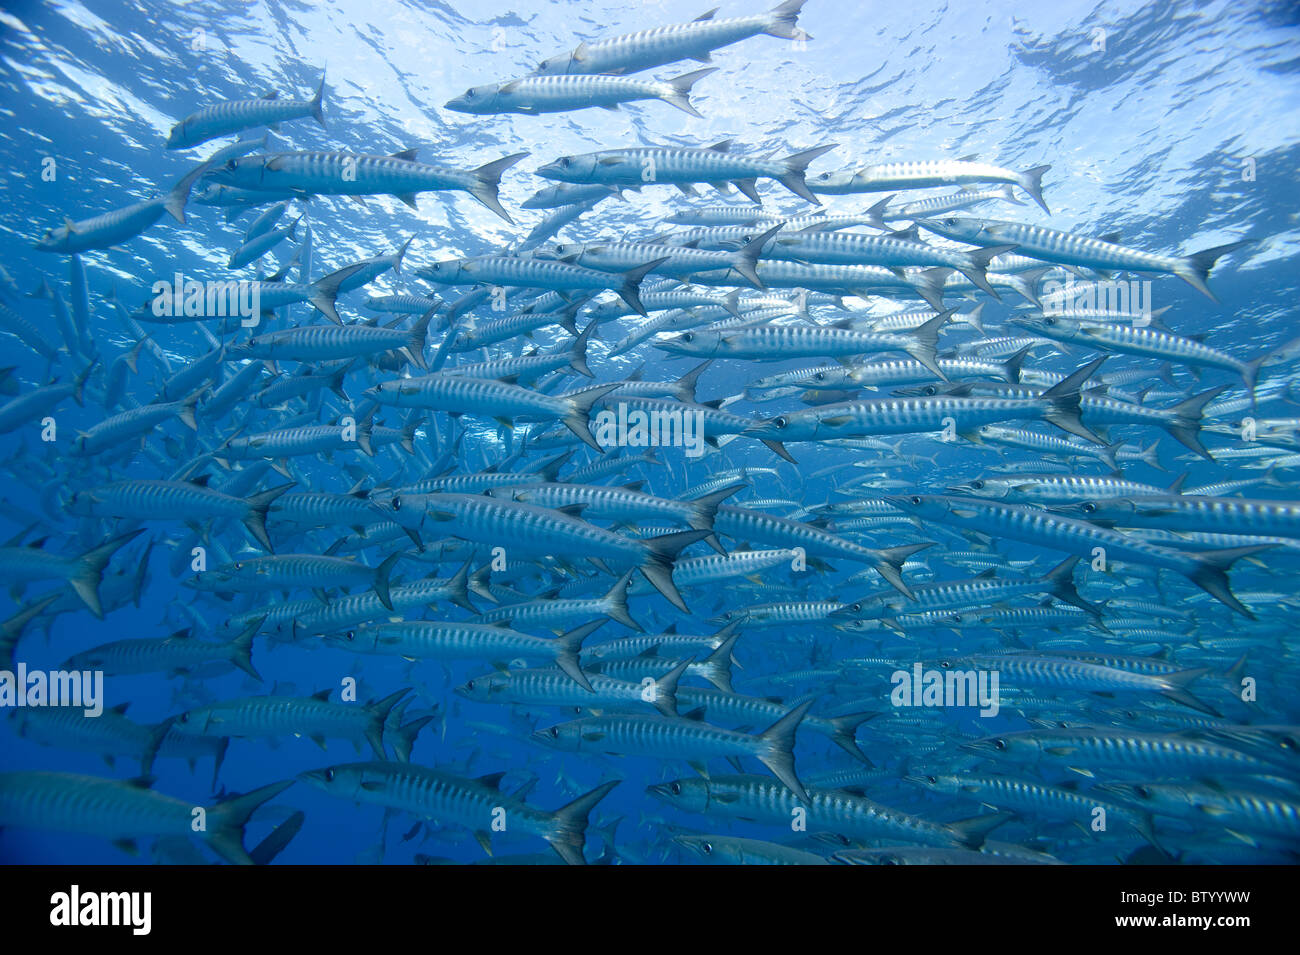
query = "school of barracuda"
{"x": 490, "y": 569}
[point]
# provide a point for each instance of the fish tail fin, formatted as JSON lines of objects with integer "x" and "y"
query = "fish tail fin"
{"x": 1195, "y": 268}
{"x": 630, "y": 290}
{"x": 255, "y": 520}
{"x": 179, "y": 194}
{"x": 228, "y": 818}
{"x": 778, "y": 755}
{"x": 1211, "y": 573}
{"x": 325, "y": 291}
{"x": 889, "y": 564}
{"x": 875, "y": 215}
{"x": 924, "y": 341}
{"x": 383, "y": 572}
{"x": 658, "y": 566}
{"x": 317, "y": 100}
{"x": 419, "y": 335}
{"x": 1015, "y": 363}
{"x": 681, "y": 89}
{"x": 458, "y": 586}
{"x": 686, "y": 383}
{"x": 784, "y": 20}
{"x": 929, "y": 285}
{"x": 404, "y": 737}
{"x": 978, "y": 271}
{"x": 487, "y": 180}
{"x": 665, "y": 689}
{"x": 844, "y": 734}
{"x": 567, "y": 648}
{"x": 79, "y": 383}
{"x": 705, "y": 508}
{"x": 795, "y": 165}
{"x": 378, "y": 711}
{"x": 1059, "y": 582}
{"x": 972, "y": 832}
{"x": 716, "y": 667}
{"x": 241, "y": 649}
{"x": 90, "y": 569}
{"x": 1031, "y": 180}
{"x": 569, "y": 833}
{"x": 578, "y": 354}
{"x": 746, "y": 260}
{"x": 617, "y": 600}
{"x": 1179, "y": 694}
{"x": 1063, "y": 402}
{"x": 1186, "y": 424}
{"x": 577, "y": 420}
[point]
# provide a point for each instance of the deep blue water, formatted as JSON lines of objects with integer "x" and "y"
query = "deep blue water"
{"x": 1147, "y": 137}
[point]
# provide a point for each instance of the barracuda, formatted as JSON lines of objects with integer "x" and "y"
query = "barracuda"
{"x": 889, "y": 177}
{"x": 682, "y": 263}
{"x": 275, "y": 716}
{"x": 779, "y": 342}
{"x": 472, "y": 803}
{"x": 533, "y": 95}
{"x": 552, "y": 688}
{"x": 186, "y": 501}
{"x": 358, "y": 174}
{"x": 540, "y": 273}
{"x": 1206, "y": 569}
{"x": 861, "y": 280}
{"x": 674, "y": 737}
{"x": 336, "y": 342}
{"x": 233, "y": 117}
{"x": 683, "y": 167}
{"x": 1227, "y": 515}
{"x": 124, "y": 811}
{"x": 177, "y": 654}
{"x": 457, "y": 394}
{"x": 633, "y": 52}
{"x": 840, "y": 812}
{"x": 1051, "y": 245}
{"x": 84, "y": 572}
{"x": 545, "y": 532}
{"x": 443, "y": 640}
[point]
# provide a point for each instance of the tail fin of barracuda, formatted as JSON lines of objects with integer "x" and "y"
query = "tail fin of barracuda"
{"x": 569, "y": 824}
{"x": 569, "y": 645}
{"x": 1063, "y": 402}
{"x": 1031, "y": 180}
{"x": 228, "y": 818}
{"x": 795, "y": 166}
{"x": 658, "y": 566}
{"x": 779, "y": 753}
{"x": 784, "y": 19}
{"x": 255, "y": 519}
{"x": 487, "y": 180}
{"x": 1195, "y": 268}
{"x": 681, "y": 89}
{"x": 1211, "y": 574}
{"x": 577, "y": 420}
{"x": 1186, "y": 424}
{"x": 90, "y": 569}
{"x": 630, "y": 290}
{"x": 316, "y": 102}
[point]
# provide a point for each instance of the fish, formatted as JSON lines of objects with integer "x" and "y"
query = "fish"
{"x": 222, "y": 119}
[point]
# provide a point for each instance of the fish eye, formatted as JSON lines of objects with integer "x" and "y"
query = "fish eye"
{"x": 916, "y": 501}
{"x": 1287, "y": 742}
{"x": 707, "y": 848}
{"x": 1089, "y": 507}
{"x": 469, "y": 685}
{"x": 397, "y": 503}
{"x": 1049, "y": 321}
{"x": 856, "y": 608}
{"x": 1142, "y": 791}
{"x": 890, "y": 860}
{"x": 555, "y": 732}
{"x": 946, "y": 664}
{"x": 977, "y": 485}
{"x": 239, "y": 565}
{"x": 185, "y": 717}
{"x": 820, "y": 376}
{"x": 675, "y": 788}
{"x": 351, "y": 635}
{"x": 931, "y": 780}
{"x": 688, "y": 337}
{"x": 329, "y": 775}
{"x": 565, "y": 162}
{"x": 780, "y": 422}
{"x": 824, "y": 175}
{"x": 1000, "y": 745}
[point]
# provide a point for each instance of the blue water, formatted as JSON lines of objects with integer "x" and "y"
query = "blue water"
{"x": 1180, "y": 134}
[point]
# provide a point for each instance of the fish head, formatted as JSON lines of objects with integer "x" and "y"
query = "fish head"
{"x": 568, "y": 737}
{"x": 476, "y": 99}
{"x": 569, "y": 168}
{"x": 961, "y": 228}
{"x": 558, "y": 65}
{"x": 341, "y": 781}
{"x": 979, "y": 487}
{"x": 53, "y": 240}
{"x": 706, "y": 847}
{"x": 927, "y": 506}
{"x": 482, "y": 688}
{"x": 689, "y": 795}
{"x": 1010, "y": 746}
{"x": 447, "y": 272}
{"x": 688, "y": 343}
